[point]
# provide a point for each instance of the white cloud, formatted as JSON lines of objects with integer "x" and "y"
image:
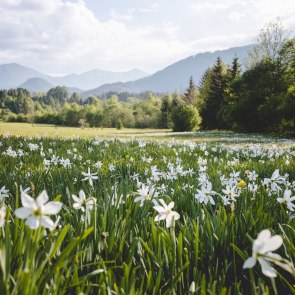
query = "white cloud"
{"x": 127, "y": 16}
{"x": 65, "y": 36}
{"x": 200, "y": 7}
{"x": 218, "y": 42}
{"x": 59, "y": 33}
{"x": 236, "y": 16}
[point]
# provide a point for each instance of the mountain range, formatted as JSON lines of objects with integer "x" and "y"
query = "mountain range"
{"x": 174, "y": 77}
{"x": 14, "y": 75}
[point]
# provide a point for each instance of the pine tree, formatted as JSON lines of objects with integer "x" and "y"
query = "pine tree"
{"x": 215, "y": 96}
{"x": 225, "y": 113}
{"x": 166, "y": 108}
{"x": 191, "y": 92}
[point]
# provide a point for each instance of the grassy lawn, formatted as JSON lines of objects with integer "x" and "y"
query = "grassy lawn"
{"x": 26, "y": 129}
{"x": 226, "y": 137}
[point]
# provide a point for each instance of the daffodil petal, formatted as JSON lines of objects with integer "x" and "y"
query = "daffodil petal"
{"x": 249, "y": 263}
{"x": 76, "y": 199}
{"x": 22, "y": 212}
{"x": 28, "y": 202}
{"x": 82, "y": 195}
{"x": 264, "y": 235}
{"x": 266, "y": 269}
{"x": 33, "y": 222}
{"x": 42, "y": 198}
{"x": 47, "y": 222}
{"x": 160, "y": 209}
{"x": 77, "y": 206}
{"x": 51, "y": 208}
{"x": 272, "y": 244}
{"x": 175, "y": 215}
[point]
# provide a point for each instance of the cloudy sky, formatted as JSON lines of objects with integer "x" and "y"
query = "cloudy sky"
{"x": 65, "y": 36}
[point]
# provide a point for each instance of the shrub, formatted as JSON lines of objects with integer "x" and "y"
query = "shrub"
{"x": 185, "y": 118}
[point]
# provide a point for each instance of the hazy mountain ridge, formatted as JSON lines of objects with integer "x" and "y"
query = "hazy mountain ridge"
{"x": 175, "y": 77}
{"x": 36, "y": 85}
{"x": 14, "y": 75}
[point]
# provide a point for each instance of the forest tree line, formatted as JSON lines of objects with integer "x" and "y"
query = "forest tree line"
{"x": 258, "y": 97}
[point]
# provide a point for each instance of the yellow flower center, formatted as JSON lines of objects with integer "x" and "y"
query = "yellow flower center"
{"x": 37, "y": 212}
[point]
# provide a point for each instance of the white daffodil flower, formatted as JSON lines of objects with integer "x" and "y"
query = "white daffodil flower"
{"x": 231, "y": 193}
{"x": 274, "y": 182}
{"x": 3, "y": 193}
{"x": 36, "y": 211}
{"x": 2, "y": 215}
{"x": 205, "y": 194}
{"x": 287, "y": 199}
{"x": 89, "y": 176}
{"x": 146, "y": 193}
{"x": 166, "y": 213}
{"x": 81, "y": 203}
{"x": 262, "y": 251}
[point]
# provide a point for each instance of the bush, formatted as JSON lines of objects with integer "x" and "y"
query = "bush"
{"x": 17, "y": 118}
{"x": 185, "y": 118}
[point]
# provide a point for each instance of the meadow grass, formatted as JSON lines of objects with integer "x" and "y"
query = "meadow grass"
{"x": 53, "y": 131}
{"x": 115, "y": 245}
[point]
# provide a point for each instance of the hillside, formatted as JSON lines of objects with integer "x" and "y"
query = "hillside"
{"x": 176, "y": 76}
{"x": 14, "y": 75}
{"x": 36, "y": 85}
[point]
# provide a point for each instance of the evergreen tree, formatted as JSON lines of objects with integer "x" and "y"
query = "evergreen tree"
{"x": 166, "y": 108}
{"x": 191, "y": 92}
{"x": 214, "y": 97}
{"x": 225, "y": 113}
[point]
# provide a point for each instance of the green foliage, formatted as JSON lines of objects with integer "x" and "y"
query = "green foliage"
{"x": 261, "y": 99}
{"x": 214, "y": 95}
{"x": 185, "y": 118}
{"x": 166, "y": 108}
{"x": 190, "y": 95}
{"x": 122, "y": 249}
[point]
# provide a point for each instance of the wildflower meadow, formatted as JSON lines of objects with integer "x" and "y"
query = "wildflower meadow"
{"x": 135, "y": 216}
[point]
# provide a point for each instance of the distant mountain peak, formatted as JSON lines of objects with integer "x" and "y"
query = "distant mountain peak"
{"x": 175, "y": 77}
{"x": 12, "y": 75}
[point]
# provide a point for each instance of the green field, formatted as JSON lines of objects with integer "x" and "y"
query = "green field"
{"x": 26, "y": 129}
{"x": 145, "y": 212}
{"x": 51, "y": 131}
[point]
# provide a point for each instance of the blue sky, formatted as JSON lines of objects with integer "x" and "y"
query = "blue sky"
{"x": 65, "y": 36}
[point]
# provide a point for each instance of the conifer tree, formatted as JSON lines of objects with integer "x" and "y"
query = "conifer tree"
{"x": 191, "y": 92}
{"x": 215, "y": 96}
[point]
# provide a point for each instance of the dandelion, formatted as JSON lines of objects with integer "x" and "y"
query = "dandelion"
{"x": 36, "y": 211}
{"x": 166, "y": 213}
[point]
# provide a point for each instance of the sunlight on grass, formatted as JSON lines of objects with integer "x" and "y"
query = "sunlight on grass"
{"x": 26, "y": 129}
